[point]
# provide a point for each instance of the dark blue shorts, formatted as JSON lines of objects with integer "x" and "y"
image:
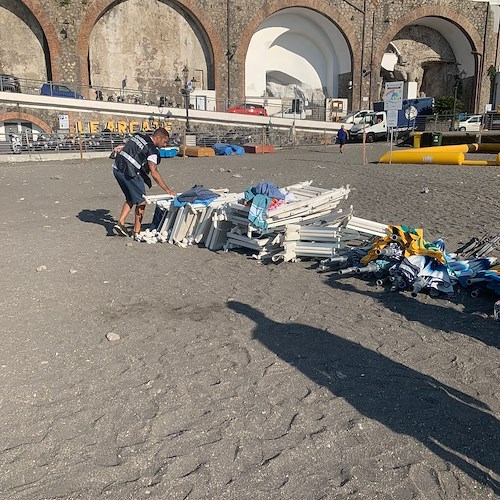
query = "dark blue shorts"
{"x": 134, "y": 189}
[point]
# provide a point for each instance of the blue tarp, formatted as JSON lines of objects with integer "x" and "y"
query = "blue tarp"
{"x": 222, "y": 149}
{"x": 238, "y": 150}
{"x": 168, "y": 152}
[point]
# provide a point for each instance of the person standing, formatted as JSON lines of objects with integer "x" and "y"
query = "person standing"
{"x": 133, "y": 163}
{"x": 342, "y": 138}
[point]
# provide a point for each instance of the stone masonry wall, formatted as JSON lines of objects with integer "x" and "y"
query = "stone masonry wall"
{"x": 369, "y": 25}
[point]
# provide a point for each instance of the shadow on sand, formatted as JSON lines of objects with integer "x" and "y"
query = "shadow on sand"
{"x": 436, "y": 316}
{"x": 453, "y": 425}
{"x": 99, "y": 216}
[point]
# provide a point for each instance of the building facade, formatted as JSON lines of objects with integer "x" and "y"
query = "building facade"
{"x": 312, "y": 49}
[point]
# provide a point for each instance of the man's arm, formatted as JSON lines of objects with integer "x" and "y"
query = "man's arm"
{"x": 158, "y": 178}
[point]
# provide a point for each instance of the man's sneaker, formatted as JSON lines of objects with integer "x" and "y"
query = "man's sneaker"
{"x": 120, "y": 230}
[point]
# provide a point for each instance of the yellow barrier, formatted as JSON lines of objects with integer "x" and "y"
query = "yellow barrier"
{"x": 423, "y": 155}
{"x": 457, "y": 148}
{"x": 483, "y": 163}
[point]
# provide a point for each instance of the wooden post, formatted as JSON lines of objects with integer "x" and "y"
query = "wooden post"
{"x": 81, "y": 148}
{"x": 364, "y": 144}
{"x": 263, "y": 138}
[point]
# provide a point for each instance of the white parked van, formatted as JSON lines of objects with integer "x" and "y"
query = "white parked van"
{"x": 373, "y": 124}
{"x": 356, "y": 116}
{"x": 472, "y": 124}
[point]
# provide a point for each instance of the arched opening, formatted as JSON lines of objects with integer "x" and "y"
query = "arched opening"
{"x": 146, "y": 54}
{"x": 298, "y": 51}
{"x": 21, "y": 38}
{"x": 437, "y": 56}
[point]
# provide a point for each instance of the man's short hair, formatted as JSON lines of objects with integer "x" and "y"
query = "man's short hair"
{"x": 161, "y": 132}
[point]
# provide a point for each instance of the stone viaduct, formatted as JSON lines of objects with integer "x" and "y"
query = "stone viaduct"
{"x": 341, "y": 48}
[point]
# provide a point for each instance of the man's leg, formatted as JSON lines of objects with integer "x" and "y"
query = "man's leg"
{"x": 119, "y": 228}
{"x": 127, "y": 206}
{"x": 139, "y": 214}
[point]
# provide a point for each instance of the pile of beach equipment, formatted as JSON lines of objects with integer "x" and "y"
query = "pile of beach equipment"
{"x": 302, "y": 221}
{"x": 406, "y": 261}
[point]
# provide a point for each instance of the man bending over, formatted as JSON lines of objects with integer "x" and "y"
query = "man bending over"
{"x": 138, "y": 158}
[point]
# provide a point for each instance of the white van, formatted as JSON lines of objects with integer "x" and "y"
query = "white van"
{"x": 373, "y": 124}
{"x": 356, "y": 116}
{"x": 472, "y": 124}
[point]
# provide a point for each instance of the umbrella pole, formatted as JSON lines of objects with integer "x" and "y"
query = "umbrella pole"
{"x": 390, "y": 150}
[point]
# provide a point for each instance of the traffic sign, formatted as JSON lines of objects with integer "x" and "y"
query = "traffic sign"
{"x": 392, "y": 118}
{"x": 393, "y": 95}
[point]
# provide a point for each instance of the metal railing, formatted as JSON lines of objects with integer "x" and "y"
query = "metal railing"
{"x": 163, "y": 98}
{"x": 30, "y": 142}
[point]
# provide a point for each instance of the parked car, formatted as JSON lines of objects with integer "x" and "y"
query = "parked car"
{"x": 9, "y": 83}
{"x": 471, "y": 124}
{"x": 248, "y": 109}
{"x": 58, "y": 90}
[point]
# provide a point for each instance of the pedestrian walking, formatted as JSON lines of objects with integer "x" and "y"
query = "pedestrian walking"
{"x": 342, "y": 138}
{"x": 138, "y": 158}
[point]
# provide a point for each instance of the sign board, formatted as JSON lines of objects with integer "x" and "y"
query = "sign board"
{"x": 411, "y": 112}
{"x": 63, "y": 122}
{"x": 393, "y": 95}
{"x": 392, "y": 118}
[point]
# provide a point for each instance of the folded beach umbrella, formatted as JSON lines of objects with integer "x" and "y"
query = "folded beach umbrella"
{"x": 411, "y": 240}
{"x": 492, "y": 280}
{"x": 419, "y": 272}
{"x": 466, "y": 269}
{"x": 436, "y": 276}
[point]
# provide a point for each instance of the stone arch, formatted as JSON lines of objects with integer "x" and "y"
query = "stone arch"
{"x": 95, "y": 11}
{"x": 430, "y": 11}
{"x": 50, "y": 34}
{"x": 17, "y": 115}
{"x": 332, "y": 14}
{"x": 444, "y": 15}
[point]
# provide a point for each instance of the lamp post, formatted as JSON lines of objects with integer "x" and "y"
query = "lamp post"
{"x": 185, "y": 87}
{"x": 454, "y": 104}
{"x": 458, "y": 80}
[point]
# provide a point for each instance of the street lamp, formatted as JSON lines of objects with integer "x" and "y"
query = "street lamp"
{"x": 458, "y": 79}
{"x": 185, "y": 87}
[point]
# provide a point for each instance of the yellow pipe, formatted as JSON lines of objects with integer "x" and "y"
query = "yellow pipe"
{"x": 483, "y": 163}
{"x": 480, "y": 163}
{"x": 421, "y": 156}
{"x": 457, "y": 148}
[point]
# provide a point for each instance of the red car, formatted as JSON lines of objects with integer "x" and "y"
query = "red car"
{"x": 248, "y": 109}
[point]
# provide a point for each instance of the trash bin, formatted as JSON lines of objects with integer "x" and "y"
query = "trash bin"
{"x": 437, "y": 138}
{"x": 417, "y": 137}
